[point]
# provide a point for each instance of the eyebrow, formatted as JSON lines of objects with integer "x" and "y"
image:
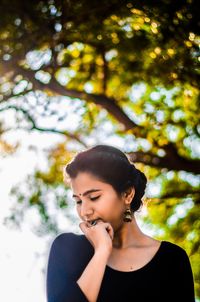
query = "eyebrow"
{"x": 87, "y": 192}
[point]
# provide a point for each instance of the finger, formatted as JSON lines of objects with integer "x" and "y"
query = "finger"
{"x": 83, "y": 227}
{"x": 109, "y": 229}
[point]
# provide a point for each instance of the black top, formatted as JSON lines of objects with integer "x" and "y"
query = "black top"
{"x": 166, "y": 277}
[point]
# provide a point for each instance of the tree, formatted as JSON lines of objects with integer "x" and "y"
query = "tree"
{"x": 127, "y": 69}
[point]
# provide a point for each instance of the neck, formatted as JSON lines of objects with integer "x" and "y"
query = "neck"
{"x": 129, "y": 234}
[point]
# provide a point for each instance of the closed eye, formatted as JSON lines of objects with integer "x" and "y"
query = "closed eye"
{"x": 94, "y": 198}
{"x": 91, "y": 198}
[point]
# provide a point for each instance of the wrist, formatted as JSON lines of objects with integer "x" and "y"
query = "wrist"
{"x": 103, "y": 252}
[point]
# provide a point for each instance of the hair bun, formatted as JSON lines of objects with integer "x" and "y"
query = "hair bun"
{"x": 139, "y": 181}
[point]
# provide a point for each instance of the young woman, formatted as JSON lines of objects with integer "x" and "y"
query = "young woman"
{"x": 113, "y": 260}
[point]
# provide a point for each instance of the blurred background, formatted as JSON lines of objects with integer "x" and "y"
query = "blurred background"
{"x": 78, "y": 73}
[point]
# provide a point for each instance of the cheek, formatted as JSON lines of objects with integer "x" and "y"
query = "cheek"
{"x": 112, "y": 208}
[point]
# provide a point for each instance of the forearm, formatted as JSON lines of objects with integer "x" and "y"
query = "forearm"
{"x": 91, "y": 278}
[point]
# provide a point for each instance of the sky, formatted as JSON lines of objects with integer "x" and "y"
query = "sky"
{"x": 22, "y": 253}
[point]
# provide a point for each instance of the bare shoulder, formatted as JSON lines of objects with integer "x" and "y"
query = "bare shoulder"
{"x": 150, "y": 242}
{"x": 153, "y": 245}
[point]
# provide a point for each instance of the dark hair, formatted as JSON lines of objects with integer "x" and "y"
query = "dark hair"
{"x": 111, "y": 166}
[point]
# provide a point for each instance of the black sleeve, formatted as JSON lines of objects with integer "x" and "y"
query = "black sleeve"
{"x": 61, "y": 280}
{"x": 185, "y": 281}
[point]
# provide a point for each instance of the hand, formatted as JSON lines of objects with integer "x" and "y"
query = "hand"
{"x": 100, "y": 235}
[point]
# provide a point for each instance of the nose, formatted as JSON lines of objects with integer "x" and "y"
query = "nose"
{"x": 86, "y": 210}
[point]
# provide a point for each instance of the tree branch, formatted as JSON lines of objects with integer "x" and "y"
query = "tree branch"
{"x": 108, "y": 103}
{"x": 171, "y": 161}
{"x": 35, "y": 127}
{"x": 181, "y": 194}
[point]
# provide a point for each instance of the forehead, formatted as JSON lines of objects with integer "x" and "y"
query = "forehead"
{"x": 85, "y": 181}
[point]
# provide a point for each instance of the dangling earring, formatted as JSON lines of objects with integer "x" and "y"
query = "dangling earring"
{"x": 127, "y": 215}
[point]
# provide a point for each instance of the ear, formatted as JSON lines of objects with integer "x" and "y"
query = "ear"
{"x": 128, "y": 195}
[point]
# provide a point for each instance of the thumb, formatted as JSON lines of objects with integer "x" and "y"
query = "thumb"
{"x": 82, "y": 226}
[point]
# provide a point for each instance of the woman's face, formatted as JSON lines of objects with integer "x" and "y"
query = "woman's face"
{"x": 97, "y": 200}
